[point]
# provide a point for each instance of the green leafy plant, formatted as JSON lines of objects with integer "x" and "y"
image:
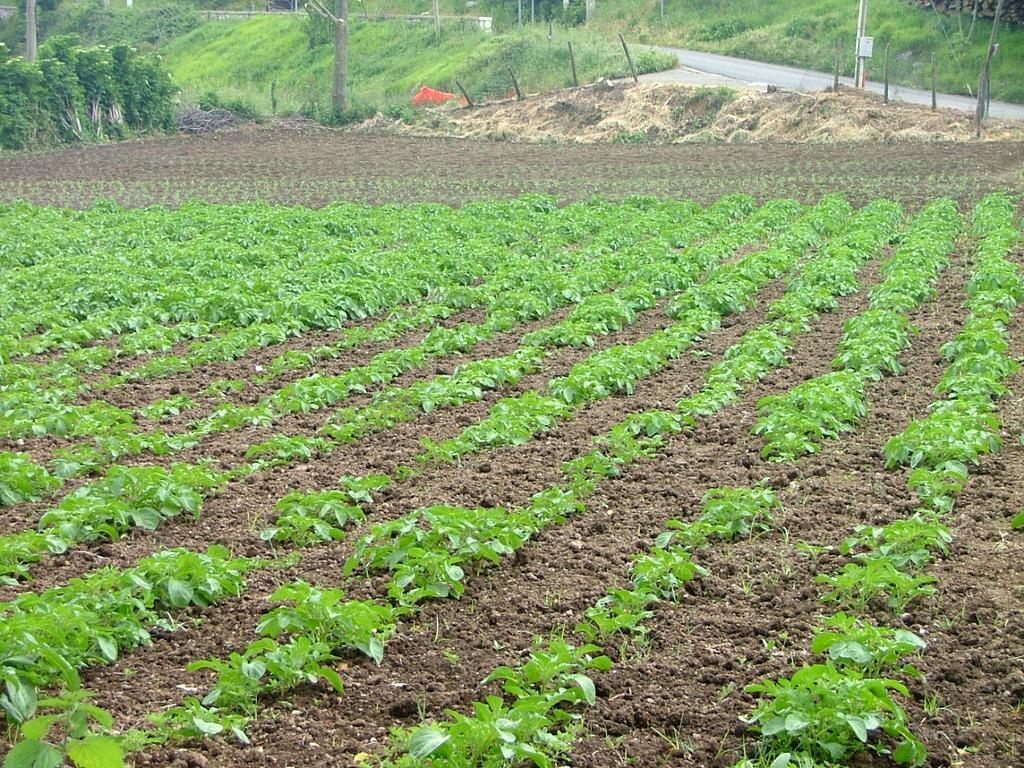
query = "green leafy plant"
{"x": 907, "y": 544}
{"x": 21, "y": 480}
{"x": 320, "y": 615}
{"x": 824, "y": 714}
{"x": 859, "y": 583}
{"x": 70, "y": 729}
{"x": 318, "y": 516}
{"x": 849, "y": 640}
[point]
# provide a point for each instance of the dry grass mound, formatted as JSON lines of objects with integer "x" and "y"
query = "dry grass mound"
{"x": 671, "y": 113}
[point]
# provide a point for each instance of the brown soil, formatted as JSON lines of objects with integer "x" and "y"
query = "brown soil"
{"x": 381, "y": 452}
{"x": 316, "y": 166}
{"x": 678, "y": 701}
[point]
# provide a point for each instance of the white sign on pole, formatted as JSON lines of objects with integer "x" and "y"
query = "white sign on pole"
{"x": 865, "y": 47}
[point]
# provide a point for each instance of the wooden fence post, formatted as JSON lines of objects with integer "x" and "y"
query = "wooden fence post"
{"x": 935, "y": 102}
{"x": 835, "y": 76}
{"x": 572, "y": 61}
{"x": 469, "y": 101}
{"x": 515, "y": 84}
{"x": 885, "y": 69}
{"x": 985, "y": 84}
{"x": 629, "y": 58}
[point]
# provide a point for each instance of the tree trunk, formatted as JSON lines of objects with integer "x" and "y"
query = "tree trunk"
{"x": 974, "y": 20}
{"x": 30, "y": 30}
{"x": 984, "y": 84}
{"x": 339, "y": 90}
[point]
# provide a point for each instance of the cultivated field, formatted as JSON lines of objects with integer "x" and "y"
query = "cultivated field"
{"x": 514, "y": 483}
{"x": 313, "y": 166}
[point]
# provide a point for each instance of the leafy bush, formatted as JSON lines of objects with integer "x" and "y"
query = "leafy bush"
{"x": 827, "y": 715}
{"x": 74, "y": 93}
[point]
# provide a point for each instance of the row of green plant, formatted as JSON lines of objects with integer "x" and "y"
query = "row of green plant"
{"x": 541, "y": 294}
{"x": 520, "y": 294}
{"x": 431, "y": 552}
{"x": 513, "y": 421}
{"x": 941, "y": 448}
{"x": 827, "y": 406}
{"x": 322, "y": 288}
{"x": 757, "y": 353}
{"x": 516, "y": 270}
{"x": 92, "y": 620}
{"x": 856, "y": 650}
{"x": 105, "y": 509}
{"x": 20, "y": 550}
{"x": 537, "y": 713}
{"x": 296, "y": 252}
{"x": 595, "y": 316}
{"x": 428, "y": 553}
{"x": 109, "y": 516}
{"x": 43, "y": 407}
{"x": 727, "y": 513}
{"x": 828, "y": 712}
{"x": 626, "y": 447}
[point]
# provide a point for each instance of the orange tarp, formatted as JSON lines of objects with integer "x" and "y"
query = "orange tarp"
{"x": 428, "y": 95}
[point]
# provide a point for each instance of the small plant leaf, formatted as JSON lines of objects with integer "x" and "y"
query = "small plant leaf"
{"x": 425, "y": 742}
{"x": 207, "y": 727}
{"x": 180, "y": 592}
{"x": 587, "y": 686}
{"x": 96, "y": 752}
{"x": 33, "y": 754}
{"x": 19, "y": 699}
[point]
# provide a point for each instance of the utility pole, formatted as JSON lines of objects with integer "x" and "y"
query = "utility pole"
{"x": 591, "y": 9}
{"x": 30, "y": 30}
{"x": 983, "y": 86}
{"x": 339, "y": 90}
{"x": 339, "y": 87}
{"x": 859, "y": 75}
{"x": 437, "y": 19}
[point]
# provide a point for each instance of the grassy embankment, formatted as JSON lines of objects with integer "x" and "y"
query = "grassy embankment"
{"x": 805, "y": 33}
{"x": 269, "y": 60}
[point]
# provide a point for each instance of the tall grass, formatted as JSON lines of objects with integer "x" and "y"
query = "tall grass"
{"x": 388, "y": 61}
{"x": 806, "y": 33}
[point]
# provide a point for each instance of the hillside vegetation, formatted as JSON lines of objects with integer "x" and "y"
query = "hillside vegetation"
{"x": 273, "y": 63}
{"x": 282, "y": 63}
{"x": 806, "y": 33}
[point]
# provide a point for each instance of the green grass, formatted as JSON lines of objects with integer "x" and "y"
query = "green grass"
{"x": 388, "y": 62}
{"x": 805, "y": 33}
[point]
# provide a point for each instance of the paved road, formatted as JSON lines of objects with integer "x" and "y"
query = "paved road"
{"x": 713, "y": 69}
